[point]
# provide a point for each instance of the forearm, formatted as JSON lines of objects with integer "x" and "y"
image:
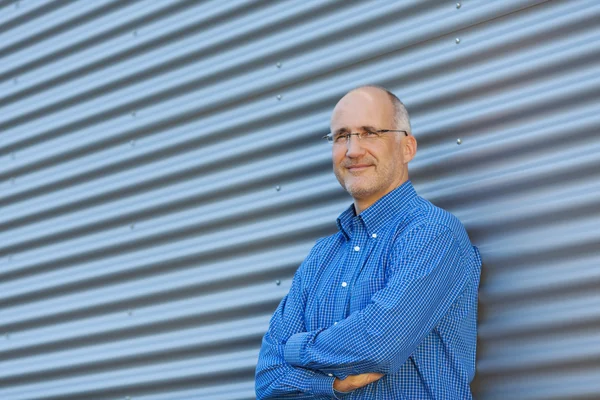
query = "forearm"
{"x": 295, "y": 382}
{"x": 276, "y": 379}
{"x": 349, "y": 348}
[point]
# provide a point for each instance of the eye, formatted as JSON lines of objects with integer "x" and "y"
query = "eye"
{"x": 339, "y": 137}
{"x": 370, "y": 133}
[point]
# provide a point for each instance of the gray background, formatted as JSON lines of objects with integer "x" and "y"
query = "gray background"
{"x": 162, "y": 176}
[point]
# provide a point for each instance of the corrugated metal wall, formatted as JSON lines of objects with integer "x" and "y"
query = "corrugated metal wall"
{"x": 162, "y": 176}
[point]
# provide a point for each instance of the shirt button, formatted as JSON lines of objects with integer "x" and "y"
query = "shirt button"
{"x": 356, "y": 248}
{"x": 344, "y": 284}
{"x": 329, "y": 374}
{"x": 374, "y": 235}
{"x": 335, "y": 323}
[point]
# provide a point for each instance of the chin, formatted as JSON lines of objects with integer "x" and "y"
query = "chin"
{"x": 359, "y": 191}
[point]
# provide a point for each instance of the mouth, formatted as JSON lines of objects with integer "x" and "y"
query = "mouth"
{"x": 358, "y": 167}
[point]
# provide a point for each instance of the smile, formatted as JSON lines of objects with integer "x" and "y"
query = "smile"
{"x": 358, "y": 167}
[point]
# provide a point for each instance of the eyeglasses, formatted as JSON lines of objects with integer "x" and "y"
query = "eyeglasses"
{"x": 365, "y": 136}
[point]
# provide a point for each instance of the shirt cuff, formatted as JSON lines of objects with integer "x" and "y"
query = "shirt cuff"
{"x": 322, "y": 385}
{"x": 340, "y": 395}
{"x": 292, "y": 353}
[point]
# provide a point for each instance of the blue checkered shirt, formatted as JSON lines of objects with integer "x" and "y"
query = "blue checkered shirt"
{"x": 394, "y": 292}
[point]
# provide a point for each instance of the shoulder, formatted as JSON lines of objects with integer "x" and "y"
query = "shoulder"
{"x": 426, "y": 222}
{"x": 322, "y": 251}
{"x": 425, "y": 213}
{"x": 325, "y": 245}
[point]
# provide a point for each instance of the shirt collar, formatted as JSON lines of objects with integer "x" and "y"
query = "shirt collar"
{"x": 395, "y": 202}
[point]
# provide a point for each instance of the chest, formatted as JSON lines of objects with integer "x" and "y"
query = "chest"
{"x": 349, "y": 276}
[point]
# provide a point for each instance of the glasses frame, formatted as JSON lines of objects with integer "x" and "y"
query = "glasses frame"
{"x": 329, "y": 136}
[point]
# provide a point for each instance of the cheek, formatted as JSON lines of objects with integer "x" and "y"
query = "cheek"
{"x": 337, "y": 157}
{"x": 391, "y": 157}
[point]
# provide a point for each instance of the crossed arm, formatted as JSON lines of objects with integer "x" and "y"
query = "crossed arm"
{"x": 275, "y": 378}
{"x": 372, "y": 342}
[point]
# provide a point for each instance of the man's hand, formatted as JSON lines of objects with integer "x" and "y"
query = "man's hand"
{"x": 354, "y": 382}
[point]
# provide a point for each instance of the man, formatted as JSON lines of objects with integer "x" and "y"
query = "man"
{"x": 386, "y": 308}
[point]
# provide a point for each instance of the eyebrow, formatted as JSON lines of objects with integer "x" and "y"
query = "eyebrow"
{"x": 364, "y": 128}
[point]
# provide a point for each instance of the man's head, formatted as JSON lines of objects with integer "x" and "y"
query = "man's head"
{"x": 369, "y": 168}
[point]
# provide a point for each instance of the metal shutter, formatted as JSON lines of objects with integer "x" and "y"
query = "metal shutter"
{"x": 162, "y": 176}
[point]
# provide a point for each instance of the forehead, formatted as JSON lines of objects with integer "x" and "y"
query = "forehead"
{"x": 363, "y": 107}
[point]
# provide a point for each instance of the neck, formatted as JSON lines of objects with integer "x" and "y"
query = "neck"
{"x": 361, "y": 204}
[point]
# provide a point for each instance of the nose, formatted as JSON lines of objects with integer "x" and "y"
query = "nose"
{"x": 354, "y": 148}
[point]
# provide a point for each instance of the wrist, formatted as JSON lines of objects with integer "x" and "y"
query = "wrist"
{"x": 321, "y": 385}
{"x": 341, "y": 386}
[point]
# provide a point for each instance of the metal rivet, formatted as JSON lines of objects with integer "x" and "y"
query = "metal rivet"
{"x": 278, "y": 65}
{"x": 459, "y": 141}
{"x": 278, "y": 282}
{"x": 278, "y": 188}
{"x": 132, "y": 226}
{"x": 457, "y": 40}
{"x": 278, "y": 97}
{"x": 458, "y": 5}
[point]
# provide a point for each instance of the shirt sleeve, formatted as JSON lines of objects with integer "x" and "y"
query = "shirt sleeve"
{"x": 429, "y": 273}
{"x": 275, "y": 378}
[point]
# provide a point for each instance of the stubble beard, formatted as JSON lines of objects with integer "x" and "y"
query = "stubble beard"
{"x": 360, "y": 187}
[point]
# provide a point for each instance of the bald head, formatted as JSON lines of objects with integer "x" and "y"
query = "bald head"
{"x": 382, "y": 99}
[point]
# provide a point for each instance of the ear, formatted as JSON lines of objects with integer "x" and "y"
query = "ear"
{"x": 409, "y": 147}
